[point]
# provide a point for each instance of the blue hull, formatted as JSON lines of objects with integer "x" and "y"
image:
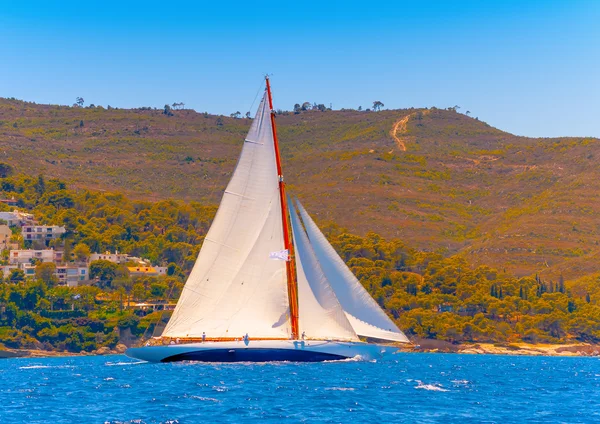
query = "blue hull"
{"x": 261, "y": 351}
{"x": 253, "y": 355}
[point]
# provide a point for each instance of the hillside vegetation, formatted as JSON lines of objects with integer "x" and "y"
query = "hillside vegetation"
{"x": 437, "y": 180}
{"x": 428, "y": 294}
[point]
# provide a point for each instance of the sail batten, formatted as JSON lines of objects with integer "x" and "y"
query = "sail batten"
{"x": 365, "y": 315}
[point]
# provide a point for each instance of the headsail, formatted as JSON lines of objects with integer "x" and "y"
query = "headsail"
{"x": 365, "y": 315}
{"x": 234, "y": 287}
{"x": 321, "y": 315}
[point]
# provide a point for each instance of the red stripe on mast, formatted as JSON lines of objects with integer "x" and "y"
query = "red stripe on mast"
{"x": 287, "y": 240}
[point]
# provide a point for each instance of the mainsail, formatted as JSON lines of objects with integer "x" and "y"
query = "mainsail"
{"x": 321, "y": 315}
{"x": 365, "y": 315}
{"x": 235, "y": 288}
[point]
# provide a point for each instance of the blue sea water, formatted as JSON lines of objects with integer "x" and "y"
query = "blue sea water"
{"x": 415, "y": 387}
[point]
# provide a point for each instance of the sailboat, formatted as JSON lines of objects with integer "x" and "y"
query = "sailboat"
{"x": 267, "y": 285}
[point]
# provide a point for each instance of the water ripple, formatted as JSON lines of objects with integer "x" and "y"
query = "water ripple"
{"x": 425, "y": 388}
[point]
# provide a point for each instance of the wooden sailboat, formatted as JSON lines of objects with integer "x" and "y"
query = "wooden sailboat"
{"x": 267, "y": 285}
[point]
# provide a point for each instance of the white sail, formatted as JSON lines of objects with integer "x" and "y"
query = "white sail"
{"x": 320, "y": 313}
{"x": 234, "y": 287}
{"x": 365, "y": 315}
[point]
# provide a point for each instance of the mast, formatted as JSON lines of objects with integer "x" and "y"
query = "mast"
{"x": 292, "y": 284}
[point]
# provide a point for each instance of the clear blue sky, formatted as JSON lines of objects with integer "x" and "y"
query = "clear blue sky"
{"x": 528, "y": 67}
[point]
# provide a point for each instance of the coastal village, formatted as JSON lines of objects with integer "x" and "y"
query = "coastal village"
{"x": 27, "y": 245}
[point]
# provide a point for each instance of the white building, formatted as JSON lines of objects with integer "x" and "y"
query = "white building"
{"x": 118, "y": 258}
{"x": 11, "y": 218}
{"x": 17, "y": 218}
{"x": 72, "y": 275}
{"x": 42, "y": 232}
{"x": 69, "y": 275}
{"x": 26, "y": 256}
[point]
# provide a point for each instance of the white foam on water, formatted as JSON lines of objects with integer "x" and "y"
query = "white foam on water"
{"x": 38, "y": 367}
{"x": 431, "y": 387}
{"x": 356, "y": 358}
{"x": 341, "y": 389}
{"x": 202, "y": 398}
{"x": 115, "y": 364}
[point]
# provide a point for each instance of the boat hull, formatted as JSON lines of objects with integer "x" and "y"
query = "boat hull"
{"x": 262, "y": 351}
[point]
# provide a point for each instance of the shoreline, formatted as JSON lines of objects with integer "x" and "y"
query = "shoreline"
{"x": 424, "y": 346}
{"x": 38, "y": 353}
{"x": 513, "y": 349}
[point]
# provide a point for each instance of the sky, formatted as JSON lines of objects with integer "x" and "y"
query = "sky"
{"x": 529, "y": 67}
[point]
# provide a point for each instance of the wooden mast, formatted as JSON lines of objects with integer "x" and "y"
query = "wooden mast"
{"x": 287, "y": 240}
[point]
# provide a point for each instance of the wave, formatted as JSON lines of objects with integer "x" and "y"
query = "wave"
{"x": 38, "y": 367}
{"x": 357, "y": 358}
{"x": 431, "y": 387}
{"x": 116, "y": 364}
{"x": 202, "y": 398}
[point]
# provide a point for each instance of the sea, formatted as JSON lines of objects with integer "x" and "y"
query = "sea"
{"x": 411, "y": 388}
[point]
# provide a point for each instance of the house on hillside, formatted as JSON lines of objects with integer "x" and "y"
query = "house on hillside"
{"x": 147, "y": 271}
{"x": 42, "y": 232}
{"x": 117, "y": 258}
{"x": 67, "y": 275}
{"x": 152, "y": 305}
{"x": 9, "y": 202}
{"x": 15, "y": 218}
{"x": 72, "y": 275}
{"x": 26, "y": 256}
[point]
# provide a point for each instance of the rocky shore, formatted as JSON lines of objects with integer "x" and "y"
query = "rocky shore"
{"x": 571, "y": 349}
{"x": 36, "y": 353}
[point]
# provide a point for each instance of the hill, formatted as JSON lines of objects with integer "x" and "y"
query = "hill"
{"x": 437, "y": 179}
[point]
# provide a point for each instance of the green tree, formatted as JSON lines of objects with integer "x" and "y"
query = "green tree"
{"x": 16, "y": 275}
{"x": 82, "y": 252}
{"x": 5, "y": 170}
{"x": 40, "y": 187}
{"x": 377, "y": 105}
{"x": 104, "y": 271}
{"x": 43, "y": 304}
{"x": 46, "y": 272}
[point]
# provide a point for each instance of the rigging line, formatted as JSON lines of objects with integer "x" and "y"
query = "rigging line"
{"x": 257, "y": 93}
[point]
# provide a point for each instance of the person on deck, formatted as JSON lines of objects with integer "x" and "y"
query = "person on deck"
{"x": 203, "y": 337}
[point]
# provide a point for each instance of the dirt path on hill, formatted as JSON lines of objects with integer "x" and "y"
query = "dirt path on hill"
{"x": 399, "y": 129}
